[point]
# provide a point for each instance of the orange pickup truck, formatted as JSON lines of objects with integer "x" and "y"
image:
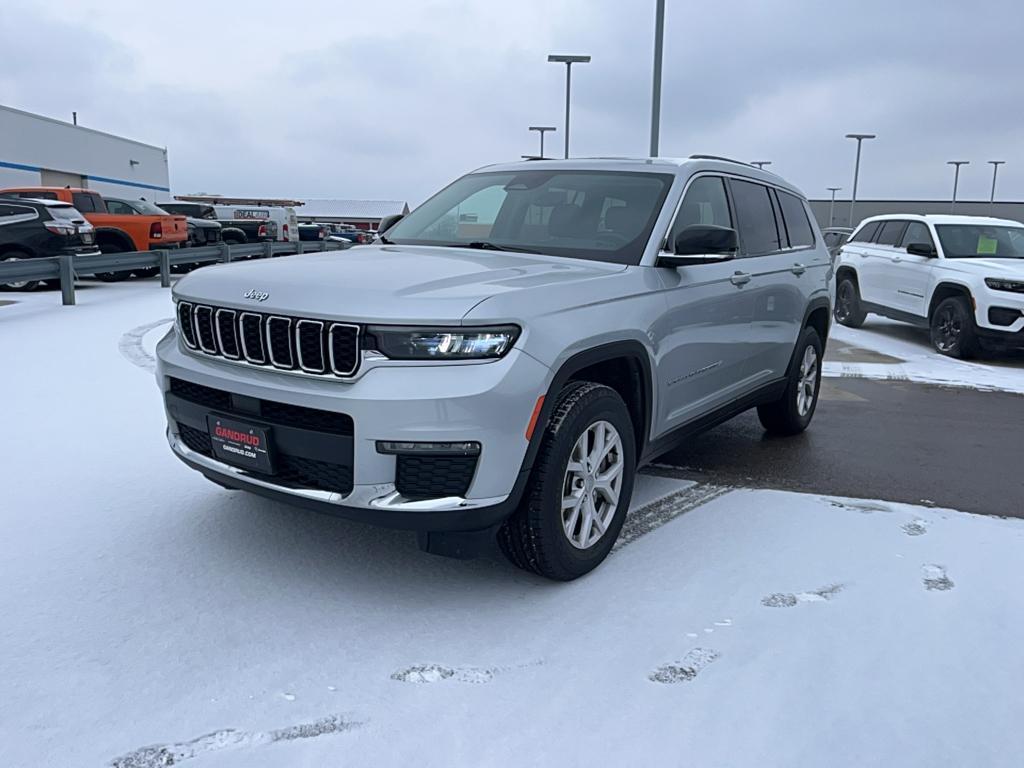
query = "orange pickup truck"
{"x": 115, "y": 233}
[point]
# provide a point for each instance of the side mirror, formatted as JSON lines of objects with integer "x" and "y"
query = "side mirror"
{"x": 922, "y": 249}
{"x": 702, "y": 244}
{"x": 389, "y": 221}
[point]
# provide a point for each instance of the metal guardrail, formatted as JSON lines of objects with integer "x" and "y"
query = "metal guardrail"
{"x": 68, "y": 268}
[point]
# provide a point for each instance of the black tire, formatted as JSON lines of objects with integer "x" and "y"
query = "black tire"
{"x": 147, "y": 272}
{"x": 112, "y": 277}
{"x": 24, "y": 286}
{"x": 848, "y": 309}
{"x": 953, "y": 331}
{"x": 534, "y": 538}
{"x": 792, "y": 413}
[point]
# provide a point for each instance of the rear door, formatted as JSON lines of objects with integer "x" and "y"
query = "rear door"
{"x": 886, "y": 257}
{"x": 860, "y": 254}
{"x": 703, "y": 338}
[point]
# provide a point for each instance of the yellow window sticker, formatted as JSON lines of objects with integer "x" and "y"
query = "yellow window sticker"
{"x": 987, "y": 245}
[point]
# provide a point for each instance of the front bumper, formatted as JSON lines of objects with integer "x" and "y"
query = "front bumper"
{"x": 488, "y": 403}
{"x": 1006, "y": 304}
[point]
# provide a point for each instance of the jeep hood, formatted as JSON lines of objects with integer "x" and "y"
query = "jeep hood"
{"x": 393, "y": 284}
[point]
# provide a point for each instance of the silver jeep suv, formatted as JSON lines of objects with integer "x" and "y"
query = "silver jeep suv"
{"x": 506, "y": 355}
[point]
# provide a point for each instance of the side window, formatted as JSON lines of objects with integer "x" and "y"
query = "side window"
{"x": 11, "y": 214}
{"x": 756, "y": 218}
{"x": 119, "y": 208}
{"x": 86, "y": 202}
{"x": 866, "y": 234}
{"x": 705, "y": 203}
{"x": 917, "y": 232}
{"x": 797, "y": 224}
{"x": 891, "y": 232}
{"x": 39, "y": 195}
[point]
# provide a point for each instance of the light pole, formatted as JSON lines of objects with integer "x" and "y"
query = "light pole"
{"x": 659, "y": 37}
{"x": 541, "y": 129}
{"x": 568, "y": 61}
{"x": 760, "y": 163}
{"x": 832, "y": 205}
{"x": 956, "y": 179}
{"x": 995, "y": 169}
{"x": 856, "y": 167}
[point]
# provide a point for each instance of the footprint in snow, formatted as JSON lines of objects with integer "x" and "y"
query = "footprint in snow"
{"x": 685, "y": 670}
{"x": 935, "y": 578}
{"x": 789, "y": 599}
{"x": 916, "y": 527}
{"x": 432, "y": 673}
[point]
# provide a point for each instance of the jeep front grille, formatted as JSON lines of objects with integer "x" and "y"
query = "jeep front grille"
{"x": 302, "y": 345}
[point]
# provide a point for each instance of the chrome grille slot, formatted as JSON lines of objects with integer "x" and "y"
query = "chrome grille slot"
{"x": 343, "y": 348}
{"x": 205, "y": 333}
{"x": 299, "y": 345}
{"x": 279, "y": 342}
{"x": 253, "y": 349}
{"x": 227, "y": 333}
{"x": 309, "y": 341}
{"x": 185, "y": 326}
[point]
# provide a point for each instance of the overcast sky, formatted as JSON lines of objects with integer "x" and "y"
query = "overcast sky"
{"x": 391, "y": 100}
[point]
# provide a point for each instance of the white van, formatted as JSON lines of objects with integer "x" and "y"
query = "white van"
{"x": 287, "y": 222}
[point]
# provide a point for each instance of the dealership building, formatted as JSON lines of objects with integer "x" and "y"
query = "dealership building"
{"x": 42, "y": 151}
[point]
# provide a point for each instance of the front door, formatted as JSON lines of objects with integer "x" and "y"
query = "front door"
{"x": 703, "y": 337}
{"x": 908, "y": 274}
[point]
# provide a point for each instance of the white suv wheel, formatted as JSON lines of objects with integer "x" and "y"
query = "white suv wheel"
{"x": 590, "y": 489}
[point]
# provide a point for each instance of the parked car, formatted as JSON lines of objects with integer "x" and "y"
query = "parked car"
{"x": 512, "y": 375}
{"x": 962, "y": 277}
{"x": 198, "y": 231}
{"x": 312, "y": 232}
{"x": 351, "y": 234}
{"x": 115, "y": 232}
{"x": 31, "y": 229}
{"x": 200, "y": 234}
{"x": 835, "y": 237}
{"x": 285, "y": 224}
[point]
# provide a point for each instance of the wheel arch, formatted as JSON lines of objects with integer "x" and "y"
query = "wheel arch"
{"x": 945, "y": 290}
{"x": 116, "y": 236}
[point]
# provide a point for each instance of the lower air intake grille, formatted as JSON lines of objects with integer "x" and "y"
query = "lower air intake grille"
{"x": 431, "y": 477}
{"x": 195, "y": 439}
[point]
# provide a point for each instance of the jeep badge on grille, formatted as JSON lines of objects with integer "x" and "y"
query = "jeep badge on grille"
{"x": 255, "y": 295}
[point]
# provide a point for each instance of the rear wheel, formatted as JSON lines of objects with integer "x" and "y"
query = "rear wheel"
{"x": 580, "y": 486}
{"x": 792, "y": 413}
{"x": 952, "y": 328}
{"x": 112, "y": 277}
{"x": 147, "y": 272}
{"x": 21, "y": 285}
{"x": 848, "y": 309}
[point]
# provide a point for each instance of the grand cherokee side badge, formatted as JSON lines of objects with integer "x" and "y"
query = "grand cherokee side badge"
{"x": 255, "y": 295}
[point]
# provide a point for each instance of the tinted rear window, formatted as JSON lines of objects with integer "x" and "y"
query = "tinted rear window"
{"x": 756, "y": 218}
{"x": 891, "y": 233}
{"x": 797, "y": 224}
{"x": 88, "y": 202}
{"x": 866, "y": 234}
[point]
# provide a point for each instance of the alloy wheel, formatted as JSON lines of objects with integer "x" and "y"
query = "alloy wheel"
{"x": 949, "y": 326}
{"x": 592, "y": 484}
{"x": 808, "y": 381}
{"x": 21, "y": 283}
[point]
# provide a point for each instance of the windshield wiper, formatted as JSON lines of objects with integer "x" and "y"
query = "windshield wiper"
{"x": 483, "y": 245}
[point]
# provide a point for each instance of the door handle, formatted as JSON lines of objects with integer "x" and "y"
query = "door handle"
{"x": 740, "y": 278}
{"x": 798, "y": 269}
{"x": 863, "y": 255}
{"x": 897, "y": 259}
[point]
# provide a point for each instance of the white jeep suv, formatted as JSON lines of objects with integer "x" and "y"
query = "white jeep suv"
{"x": 960, "y": 276}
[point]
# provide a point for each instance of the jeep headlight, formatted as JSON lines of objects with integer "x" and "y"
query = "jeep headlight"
{"x": 998, "y": 284}
{"x": 405, "y": 343}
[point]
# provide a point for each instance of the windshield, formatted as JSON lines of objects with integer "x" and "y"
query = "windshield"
{"x": 981, "y": 241}
{"x": 600, "y": 215}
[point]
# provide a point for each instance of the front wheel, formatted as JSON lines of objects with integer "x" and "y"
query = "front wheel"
{"x": 848, "y": 310}
{"x": 792, "y": 413}
{"x": 580, "y": 486}
{"x": 952, "y": 328}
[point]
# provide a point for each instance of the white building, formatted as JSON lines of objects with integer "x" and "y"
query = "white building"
{"x": 41, "y": 151}
{"x": 364, "y": 214}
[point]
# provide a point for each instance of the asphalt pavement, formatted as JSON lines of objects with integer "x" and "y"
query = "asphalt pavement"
{"x": 889, "y": 440}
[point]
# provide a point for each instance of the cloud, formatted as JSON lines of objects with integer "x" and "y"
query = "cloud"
{"x": 394, "y": 99}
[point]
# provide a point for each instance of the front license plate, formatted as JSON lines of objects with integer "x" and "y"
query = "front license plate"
{"x": 242, "y": 445}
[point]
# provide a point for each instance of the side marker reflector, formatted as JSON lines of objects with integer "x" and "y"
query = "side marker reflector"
{"x": 533, "y": 417}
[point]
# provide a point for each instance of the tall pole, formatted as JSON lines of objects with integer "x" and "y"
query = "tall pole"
{"x": 856, "y": 168}
{"x": 568, "y": 61}
{"x": 542, "y": 129}
{"x": 956, "y": 179}
{"x": 832, "y": 205}
{"x": 995, "y": 169}
{"x": 659, "y": 38}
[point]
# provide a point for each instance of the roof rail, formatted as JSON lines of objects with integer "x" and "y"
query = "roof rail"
{"x": 718, "y": 157}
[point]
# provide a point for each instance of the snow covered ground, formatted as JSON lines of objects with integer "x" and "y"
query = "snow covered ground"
{"x": 149, "y": 618}
{"x": 914, "y": 359}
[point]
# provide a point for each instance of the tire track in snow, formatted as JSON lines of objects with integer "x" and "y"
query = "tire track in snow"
{"x": 163, "y": 755}
{"x": 655, "y": 514}
{"x": 131, "y": 349}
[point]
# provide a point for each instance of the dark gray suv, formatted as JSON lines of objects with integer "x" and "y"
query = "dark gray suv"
{"x": 505, "y": 356}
